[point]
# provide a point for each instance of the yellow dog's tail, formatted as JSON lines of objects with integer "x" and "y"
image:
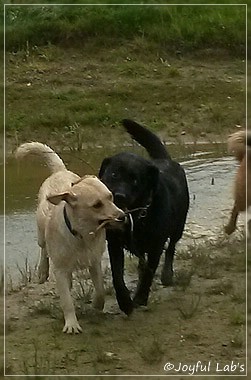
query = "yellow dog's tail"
{"x": 52, "y": 160}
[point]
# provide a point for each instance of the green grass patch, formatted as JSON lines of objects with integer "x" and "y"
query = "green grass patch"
{"x": 91, "y": 66}
{"x": 165, "y": 94}
{"x": 180, "y": 28}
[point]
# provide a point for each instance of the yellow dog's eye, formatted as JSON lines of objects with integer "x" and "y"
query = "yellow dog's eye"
{"x": 98, "y": 204}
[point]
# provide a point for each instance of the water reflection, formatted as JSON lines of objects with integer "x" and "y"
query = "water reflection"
{"x": 210, "y": 182}
{"x": 23, "y": 179}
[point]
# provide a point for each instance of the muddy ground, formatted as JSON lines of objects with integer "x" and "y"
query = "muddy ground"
{"x": 201, "y": 320}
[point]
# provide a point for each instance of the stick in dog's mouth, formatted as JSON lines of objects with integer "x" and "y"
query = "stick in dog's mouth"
{"x": 103, "y": 223}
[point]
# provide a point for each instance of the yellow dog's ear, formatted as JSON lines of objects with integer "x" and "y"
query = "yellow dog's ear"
{"x": 68, "y": 197}
{"x": 83, "y": 178}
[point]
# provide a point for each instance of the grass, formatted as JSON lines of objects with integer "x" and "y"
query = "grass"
{"x": 221, "y": 287}
{"x": 80, "y": 69}
{"x": 183, "y": 278}
{"x": 27, "y": 273}
{"x": 71, "y": 109}
{"x": 205, "y": 264}
{"x": 47, "y": 307}
{"x": 238, "y": 317}
{"x": 37, "y": 364}
{"x": 83, "y": 287}
{"x": 177, "y": 28}
{"x": 189, "y": 306}
{"x": 152, "y": 352}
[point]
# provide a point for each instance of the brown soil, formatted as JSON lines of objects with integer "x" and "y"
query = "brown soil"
{"x": 201, "y": 320}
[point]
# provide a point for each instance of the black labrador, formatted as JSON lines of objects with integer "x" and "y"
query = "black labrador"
{"x": 154, "y": 194}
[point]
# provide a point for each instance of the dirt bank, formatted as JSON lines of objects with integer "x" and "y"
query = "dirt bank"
{"x": 201, "y": 319}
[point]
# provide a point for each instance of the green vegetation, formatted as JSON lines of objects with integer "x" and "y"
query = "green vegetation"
{"x": 74, "y": 69}
{"x": 173, "y": 27}
{"x": 62, "y": 96}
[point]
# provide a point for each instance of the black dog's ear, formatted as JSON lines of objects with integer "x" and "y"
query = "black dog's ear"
{"x": 104, "y": 165}
{"x": 153, "y": 177}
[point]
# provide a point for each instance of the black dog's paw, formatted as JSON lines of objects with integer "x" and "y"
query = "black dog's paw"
{"x": 127, "y": 308}
{"x": 140, "y": 300}
{"x": 167, "y": 278}
{"x": 125, "y": 304}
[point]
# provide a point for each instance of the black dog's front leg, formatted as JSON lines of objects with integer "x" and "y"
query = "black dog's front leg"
{"x": 146, "y": 274}
{"x": 116, "y": 254}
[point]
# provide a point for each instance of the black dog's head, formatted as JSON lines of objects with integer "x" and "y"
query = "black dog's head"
{"x": 131, "y": 178}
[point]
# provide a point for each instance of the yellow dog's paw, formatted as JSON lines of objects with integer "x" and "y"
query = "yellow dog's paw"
{"x": 72, "y": 327}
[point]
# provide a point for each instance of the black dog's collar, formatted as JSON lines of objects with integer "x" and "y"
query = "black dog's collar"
{"x": 140, "y": 212}
{"x": 143, "y": 211}
{"x": 68, "y": 223}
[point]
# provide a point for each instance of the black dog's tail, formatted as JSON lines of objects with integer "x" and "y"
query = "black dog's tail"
{"x": 147, "y": 139}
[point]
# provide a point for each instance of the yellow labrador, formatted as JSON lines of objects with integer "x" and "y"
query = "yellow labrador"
{"x": 71, "y": 215}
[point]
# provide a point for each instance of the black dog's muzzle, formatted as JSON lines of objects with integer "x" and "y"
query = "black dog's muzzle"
{"x": 120, "y": 200}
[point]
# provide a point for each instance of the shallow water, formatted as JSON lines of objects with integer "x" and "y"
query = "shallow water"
{"x": 210, "y": 177}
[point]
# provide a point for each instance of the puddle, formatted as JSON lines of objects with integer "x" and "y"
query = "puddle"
{"x": 210, "y": 180}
